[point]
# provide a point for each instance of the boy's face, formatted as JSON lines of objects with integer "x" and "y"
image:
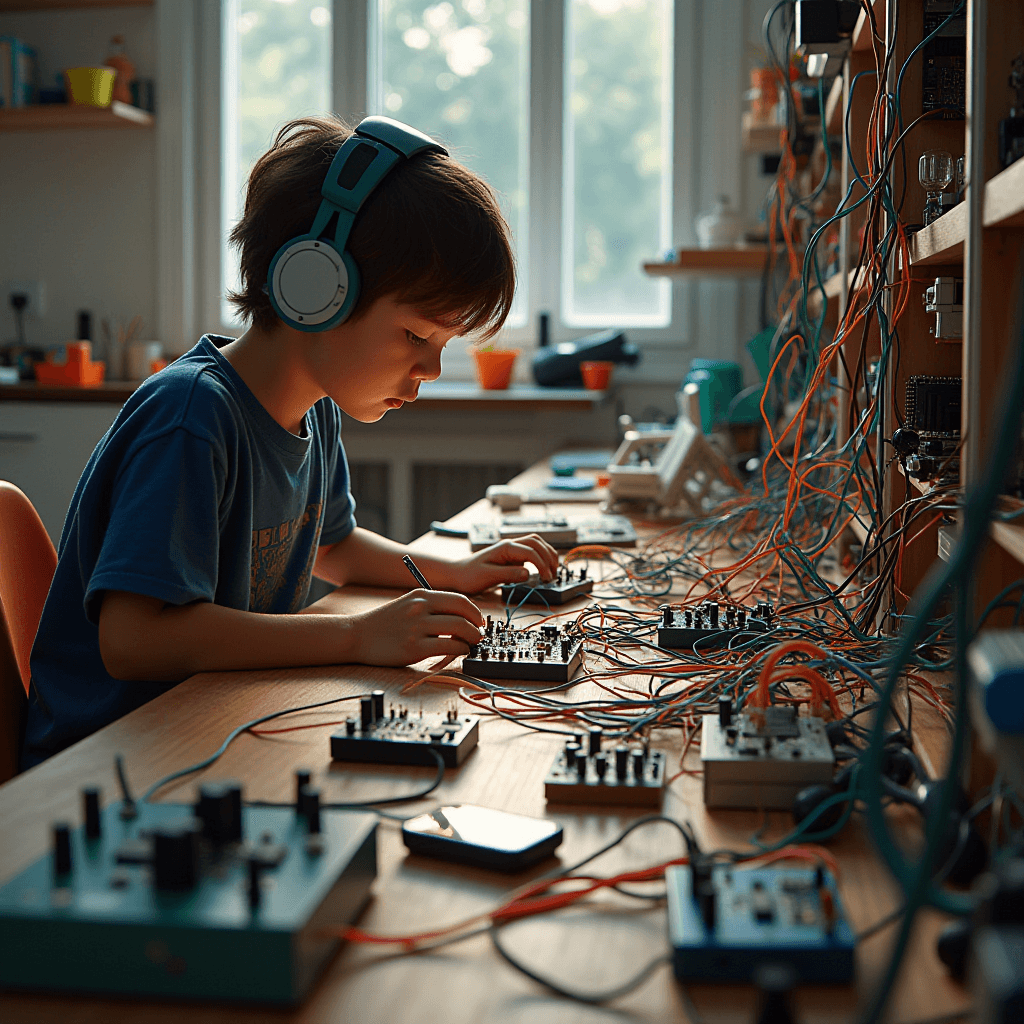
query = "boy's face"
{"x": 378, "y": 362}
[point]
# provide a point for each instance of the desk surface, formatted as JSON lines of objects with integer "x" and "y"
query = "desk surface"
{"x": 465, "y": 982}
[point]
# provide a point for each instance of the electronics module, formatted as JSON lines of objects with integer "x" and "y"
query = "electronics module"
{"x": 558, "y": 531}
{"x": 210, "y": 900}
{"x": 567, "y": 585}
{"x": 585, "y": 773}
{"x": 725, "y": 921}
{"x": 763, "y": 757}
{"x": 399, "y": 737}
{"x": 548, "y": 654}
{"x": 711, "y": 624}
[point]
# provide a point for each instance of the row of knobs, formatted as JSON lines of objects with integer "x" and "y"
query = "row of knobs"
{"x": 579, "y": 757}
{"x": 217, "y": 817}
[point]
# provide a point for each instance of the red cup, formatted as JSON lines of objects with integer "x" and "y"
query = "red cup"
{"x": 494, "y": 367}
{"x": 596, "y": 374}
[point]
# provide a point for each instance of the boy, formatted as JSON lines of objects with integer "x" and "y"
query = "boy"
{"x": 222, "y": 485}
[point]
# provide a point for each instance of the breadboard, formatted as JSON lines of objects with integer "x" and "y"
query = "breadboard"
{"x": 566, "y": 586}
{"x": 711, "y": 625}
{"x": 103, "y": 926}
{"x": 618, "y": 777}
{"x": 405, "y": 738}
{"x": 742, "y": 918}
{"x": 548, "y": 654}
{"x": 763, "y": 767}
{"x": 558, "y": 531}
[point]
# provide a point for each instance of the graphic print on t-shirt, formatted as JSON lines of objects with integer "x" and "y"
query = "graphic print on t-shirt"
{"x": 271, "y": 568}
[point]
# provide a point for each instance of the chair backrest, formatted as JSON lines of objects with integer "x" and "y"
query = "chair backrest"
{"x": 27, "y": 563}
{"x": 12, "y": 704}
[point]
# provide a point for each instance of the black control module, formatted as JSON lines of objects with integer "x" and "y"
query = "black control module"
{"x": 711, "y": 625}
{"x": 549, "y": 654}
{"x": 584, "y": 773}
{"x": 566, "y": 586}
{"x": 399, "y": 737}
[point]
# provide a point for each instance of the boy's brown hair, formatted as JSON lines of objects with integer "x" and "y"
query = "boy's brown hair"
{"x": 430, "y": 233}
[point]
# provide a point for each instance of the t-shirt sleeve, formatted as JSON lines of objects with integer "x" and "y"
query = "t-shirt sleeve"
{"x": 163, "y": 535}
{"x": 339, "y": 514}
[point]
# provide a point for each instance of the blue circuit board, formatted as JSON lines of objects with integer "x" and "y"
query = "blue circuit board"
{"x": 746, "y": 918}
{"x": 104, "y": 927}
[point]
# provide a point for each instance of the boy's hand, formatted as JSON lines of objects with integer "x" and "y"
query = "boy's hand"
{"x": 419, "y": 625}
{"x": 503, "y": 563}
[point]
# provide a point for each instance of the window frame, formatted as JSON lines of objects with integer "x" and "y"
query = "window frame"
{"x": 355, "y": 58}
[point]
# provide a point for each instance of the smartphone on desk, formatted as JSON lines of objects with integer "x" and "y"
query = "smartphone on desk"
{"x": 482, "y": 836}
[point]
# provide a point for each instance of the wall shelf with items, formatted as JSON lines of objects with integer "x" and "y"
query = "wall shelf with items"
{"x": 38, "y": 6}
{"x": 735, "y": 261}
{"x": 67, "y": 117}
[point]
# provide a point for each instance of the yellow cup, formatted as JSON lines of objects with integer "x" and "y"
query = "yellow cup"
{"x": 93, "y": 87}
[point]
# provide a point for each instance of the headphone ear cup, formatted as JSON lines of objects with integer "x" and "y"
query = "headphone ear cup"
{"x": 351, "y": 296}
{"x": 308, "y": 283}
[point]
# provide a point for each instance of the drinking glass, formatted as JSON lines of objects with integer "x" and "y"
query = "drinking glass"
{"x": 935, "y": 172}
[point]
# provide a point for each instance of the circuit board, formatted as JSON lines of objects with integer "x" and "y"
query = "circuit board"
{"x": 711, "y": 625}
{"x": 549, "y": 654}
{"x": 558, "y": 531}
{"x": 584, "y": 773}
{"x": 944, "y": 61}
{"x": 401, "y": 737}
{"x": 566, "y": 586}
{"x": 152, "y": 906}
{"x": 762, "y": 760}
{"x": 730, "y": 921}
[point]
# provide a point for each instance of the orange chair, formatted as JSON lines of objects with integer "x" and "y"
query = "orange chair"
{"x": 27, "y": 563}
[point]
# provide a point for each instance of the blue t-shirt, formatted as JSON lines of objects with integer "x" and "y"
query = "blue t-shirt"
{"x": 195, "y": 493}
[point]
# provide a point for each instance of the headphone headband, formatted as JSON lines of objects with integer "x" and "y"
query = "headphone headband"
{"x": 313, "y": 281}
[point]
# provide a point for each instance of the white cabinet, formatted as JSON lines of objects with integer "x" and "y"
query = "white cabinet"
{"x": 44, "y": 447}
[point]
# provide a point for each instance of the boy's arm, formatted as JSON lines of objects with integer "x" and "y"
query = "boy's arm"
{"x": 143, "y": 638}
{"x": 367, "y": 558}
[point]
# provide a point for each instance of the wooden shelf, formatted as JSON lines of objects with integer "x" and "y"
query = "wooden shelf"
{"x": 1009, "y": 535}
{"x": 1004, "y": 198}
{"x": 942, "y": 241}
{"x": 65, "y": 116}
{"x": 12, "y": 6}
{"x": 834, "y": 287}
{"x": 759, "y": 136}
{"x": 719, "y": 262}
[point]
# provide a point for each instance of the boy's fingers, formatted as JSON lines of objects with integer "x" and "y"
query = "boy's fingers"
{"x": 536, "y": 550}
{"x": 432, "y": 646}
{"x": 444, "y": 602}
{"x": 454, "y": 626}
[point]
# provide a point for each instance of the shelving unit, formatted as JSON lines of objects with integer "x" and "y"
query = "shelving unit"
{"x": 759, "y": 137}
{"x": 68, "y": 117}
{"x": 979, "y": 240}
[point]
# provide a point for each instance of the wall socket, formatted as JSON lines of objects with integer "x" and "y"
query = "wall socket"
{"x": 36, "y": 292}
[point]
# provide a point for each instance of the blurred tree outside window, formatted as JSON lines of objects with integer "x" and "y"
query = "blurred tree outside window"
{"x": 460, "y": 71}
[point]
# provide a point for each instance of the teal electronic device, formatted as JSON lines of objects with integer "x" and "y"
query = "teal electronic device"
{"x": 313, "y": 281}
{"x": 729, "y": 920}
{"x": 211, "y": 901}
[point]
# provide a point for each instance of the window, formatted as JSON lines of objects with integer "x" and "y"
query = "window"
{"x": 567, "y": 109}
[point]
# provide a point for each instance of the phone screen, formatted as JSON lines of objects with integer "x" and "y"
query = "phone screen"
{"x": 483, "y": 827}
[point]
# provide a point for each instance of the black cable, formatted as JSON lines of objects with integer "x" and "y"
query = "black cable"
{"x": 591, "y": 998}
{"x": 147, "y": 796}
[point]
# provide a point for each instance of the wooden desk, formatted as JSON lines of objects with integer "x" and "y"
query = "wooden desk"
{"x": 466, "y": 982}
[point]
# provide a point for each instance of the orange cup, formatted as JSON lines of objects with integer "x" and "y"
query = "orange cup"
{"x": 494, "y": 367}
{"x": 596, "y": 374}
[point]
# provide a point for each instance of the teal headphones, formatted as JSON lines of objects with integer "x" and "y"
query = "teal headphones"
{"x": 313, "y": 282}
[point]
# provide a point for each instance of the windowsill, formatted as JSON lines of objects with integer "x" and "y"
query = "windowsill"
{"x": 435, "y": 395}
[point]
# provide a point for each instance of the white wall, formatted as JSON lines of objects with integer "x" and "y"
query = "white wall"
{"x": 78, "y": 208}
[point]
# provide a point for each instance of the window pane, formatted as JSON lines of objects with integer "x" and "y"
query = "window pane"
{"x": 459, "y": 71}
{"x": 277, "y": 66}
{"x": 617, "y": 161}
